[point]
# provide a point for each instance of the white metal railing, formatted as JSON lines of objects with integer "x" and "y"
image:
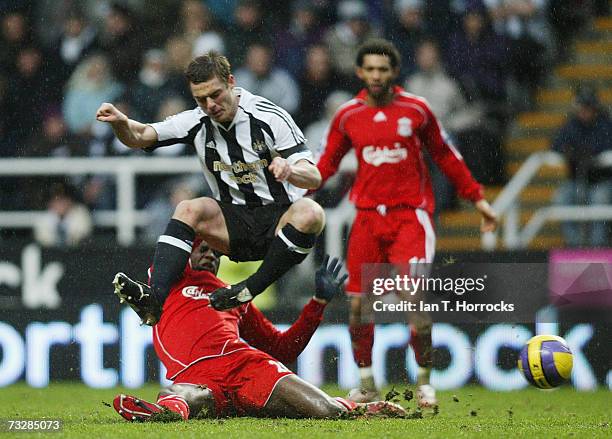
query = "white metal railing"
{"x": 507, "y": 204}
{"x": 123, "y": 169}
{"x": 126, "y": 218}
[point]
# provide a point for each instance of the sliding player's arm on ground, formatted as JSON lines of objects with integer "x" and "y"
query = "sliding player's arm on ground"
{"x": 285, "y": 346}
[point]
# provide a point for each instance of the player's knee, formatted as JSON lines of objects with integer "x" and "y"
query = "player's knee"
{"x": 198, "y": 398}
{"x": 308, "y": 216}
{"x": 193, "y": 212}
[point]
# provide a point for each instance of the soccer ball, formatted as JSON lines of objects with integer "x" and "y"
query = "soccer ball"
{"x": 546, "y": 361}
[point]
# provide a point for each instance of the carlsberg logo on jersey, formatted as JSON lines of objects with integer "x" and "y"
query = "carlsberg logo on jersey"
{"x": 194, "y": 292}
{"x": 376, "y": 156}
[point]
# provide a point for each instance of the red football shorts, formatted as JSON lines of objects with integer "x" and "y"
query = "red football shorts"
{"x": 396, "y": 236}
{"x": 241, "y": 382}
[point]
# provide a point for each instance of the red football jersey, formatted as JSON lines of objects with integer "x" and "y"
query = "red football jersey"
{"x": 190, "y": 330}
{"x": 389, "y": 143}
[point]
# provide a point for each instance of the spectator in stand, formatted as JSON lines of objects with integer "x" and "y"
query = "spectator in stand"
{"x": 449, "y": 105}
{"x": 223, "y": 10}
{"x": 198, "y": 28}
{"x": 441, "y": 91}
{"x": 123, "y": 42}
{"x": 318, "y": 80}
{"x": 4, "y": 148}
{"x": 260, "y": 77}
{"x": 53, "y": 139}
{"x": 99, "y": 191}
{"x": 16, "y": 34}
{"x": 442, "y": 18}
{"x": 477, "y": 58}
{"x": 249, "y": 28}
{"x": 292, "y": 44}
{"x": 29, "y": 93}
{"x": 339, "y": 184}
{"x": 76, "y": 41}
{"x": 345, "y": 37}
{"x": 177, "y": 50}
{"x": 91, "y": 84}
{"x": 523, "y": 24}
{"x": 50, "y": 140}
{"x": 407, "y": 30}
{"x": 153, "y": 85}
{"x": 67, "y": 221}
{"x": 162, "y": 206}
{"x": 168, "y": 107}
{"x": 584, "y": 136}
{"x": 566, "y": 18}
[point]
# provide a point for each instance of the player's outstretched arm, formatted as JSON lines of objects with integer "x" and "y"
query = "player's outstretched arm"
{"x": 285, "y": 346}
{"x": 489, "y": 216}
{"x": 130, "y": 132}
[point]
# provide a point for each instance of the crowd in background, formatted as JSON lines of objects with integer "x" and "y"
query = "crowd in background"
{"x": 476, "y": 61}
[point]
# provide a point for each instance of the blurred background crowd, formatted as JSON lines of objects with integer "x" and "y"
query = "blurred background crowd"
{"x": 478, "y": 62}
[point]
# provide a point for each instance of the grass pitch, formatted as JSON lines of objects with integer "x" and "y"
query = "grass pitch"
{"x": 468, "y": 412}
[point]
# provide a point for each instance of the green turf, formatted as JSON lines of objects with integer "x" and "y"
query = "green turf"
{"x": 467, "y": 412}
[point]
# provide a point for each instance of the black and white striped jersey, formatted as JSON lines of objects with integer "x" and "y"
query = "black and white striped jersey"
{"x": 235, "y": 160}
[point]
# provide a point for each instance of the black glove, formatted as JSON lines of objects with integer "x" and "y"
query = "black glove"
{"x": 326, "y": 279}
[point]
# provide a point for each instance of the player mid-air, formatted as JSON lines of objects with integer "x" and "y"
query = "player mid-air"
{"x": 231, "y": 362}
{"x": 390, "y": 131}
{"x": 257, "y": 165}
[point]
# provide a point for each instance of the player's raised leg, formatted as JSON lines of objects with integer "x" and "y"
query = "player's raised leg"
{"x": 201, "y": 217}
{"x": 296, "y": 233}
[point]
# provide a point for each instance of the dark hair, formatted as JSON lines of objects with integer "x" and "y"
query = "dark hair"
{"x": 205, "y": 67}
{"x": 587, "y": 96}
{"x": 379, "y": 47}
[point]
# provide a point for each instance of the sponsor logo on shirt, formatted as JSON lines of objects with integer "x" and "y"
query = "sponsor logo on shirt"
{"x": 259, "y": 146}
{"x": 193, "y": 292}
{"x": 376, "y": 156}
{"x": 239, "y": 167}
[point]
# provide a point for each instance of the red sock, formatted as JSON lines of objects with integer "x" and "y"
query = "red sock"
{"x": 350, "y": 405}
{"x": 176, "y": 404}
{"x": 362, "y": 338}
{"x": 421, "y": 344}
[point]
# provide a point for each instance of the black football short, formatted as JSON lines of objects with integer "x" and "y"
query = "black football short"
{"x": 251, "y": 229}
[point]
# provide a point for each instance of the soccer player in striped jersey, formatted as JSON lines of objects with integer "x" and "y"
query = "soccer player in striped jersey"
{"x": 390, "y": 131}
{"x": 255, "y": 160}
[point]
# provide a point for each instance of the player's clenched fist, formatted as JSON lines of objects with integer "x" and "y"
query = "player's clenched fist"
{"x": 280, "y": 168}
{"x": 109, "y": 113}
